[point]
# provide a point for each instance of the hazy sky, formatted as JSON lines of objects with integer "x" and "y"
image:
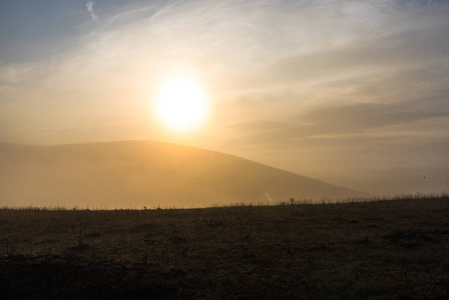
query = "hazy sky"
{"x": 351, "y": 92}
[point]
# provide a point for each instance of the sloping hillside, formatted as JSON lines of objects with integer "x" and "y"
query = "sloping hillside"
{"x": 145, "y": 173}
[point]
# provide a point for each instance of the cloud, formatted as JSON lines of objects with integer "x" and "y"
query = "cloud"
{"x": 367, "y": 116}
{"x": 401, "y": 50}
{"x": 90, "y": 9}
{"x": 369, "y": 120}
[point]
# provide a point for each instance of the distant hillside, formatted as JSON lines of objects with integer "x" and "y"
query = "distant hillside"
{"x": 145, "y": 173}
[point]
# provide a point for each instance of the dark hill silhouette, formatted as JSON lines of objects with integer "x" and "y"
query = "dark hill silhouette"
{"x": 133, "y": 174}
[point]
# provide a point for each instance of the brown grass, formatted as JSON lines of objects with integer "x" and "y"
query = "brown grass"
{"x": 396, "y": 249}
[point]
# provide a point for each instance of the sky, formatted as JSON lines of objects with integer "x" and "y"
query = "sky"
{"x": 355, "y": 93}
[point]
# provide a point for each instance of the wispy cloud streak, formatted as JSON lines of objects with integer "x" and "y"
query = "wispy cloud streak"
{"x": 90, "y": 9}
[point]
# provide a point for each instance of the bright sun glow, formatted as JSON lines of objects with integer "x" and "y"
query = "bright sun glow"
{"x": 181, "y": 104}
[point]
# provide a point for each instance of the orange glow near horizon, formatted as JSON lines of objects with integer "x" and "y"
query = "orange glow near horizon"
{"x": 181, "y": 104}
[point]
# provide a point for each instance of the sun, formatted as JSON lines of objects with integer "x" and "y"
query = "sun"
{"x": 181, "y": 104}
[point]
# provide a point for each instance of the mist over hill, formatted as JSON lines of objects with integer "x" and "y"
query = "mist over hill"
{"x": 134, "y": 174}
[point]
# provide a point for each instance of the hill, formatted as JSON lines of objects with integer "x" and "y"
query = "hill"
{"x": 145, "y": 173}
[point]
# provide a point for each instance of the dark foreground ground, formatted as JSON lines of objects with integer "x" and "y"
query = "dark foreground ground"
{"x": 378, "y": 250}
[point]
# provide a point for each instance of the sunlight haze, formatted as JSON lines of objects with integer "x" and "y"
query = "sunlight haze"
{"x": 354, "y": 93}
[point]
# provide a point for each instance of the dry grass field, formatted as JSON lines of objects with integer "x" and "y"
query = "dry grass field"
{"x": 395, "y": 249}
